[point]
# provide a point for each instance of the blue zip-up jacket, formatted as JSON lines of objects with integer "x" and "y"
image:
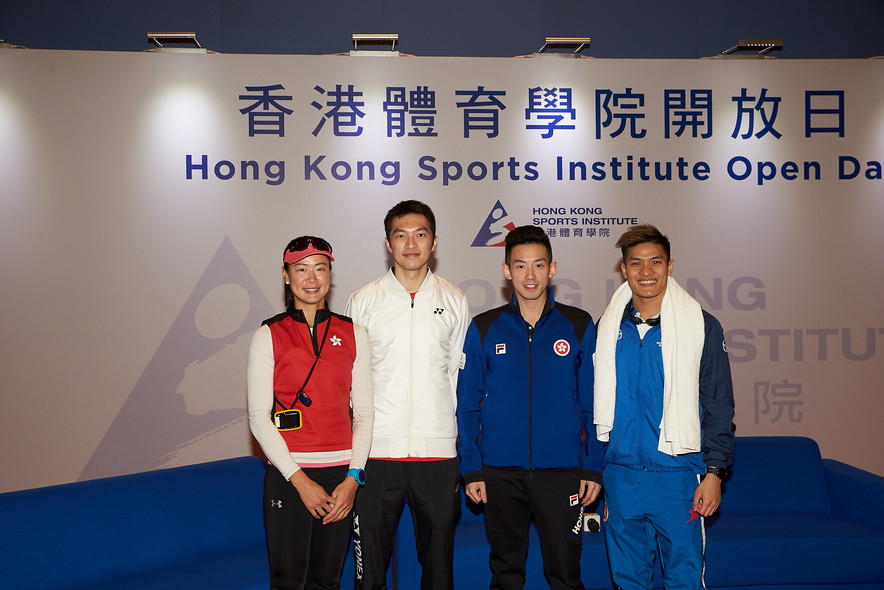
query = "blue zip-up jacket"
{"x": 524, "y": 395}
{"x": 639, "y": 403}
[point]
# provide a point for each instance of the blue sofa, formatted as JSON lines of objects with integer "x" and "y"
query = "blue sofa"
{"x": 789, "y": 521}
{"x": 192, "y": 527}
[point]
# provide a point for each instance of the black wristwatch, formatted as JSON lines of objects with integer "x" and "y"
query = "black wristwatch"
{"x": 721, "y": 473}
{"x": 358, "y": 475}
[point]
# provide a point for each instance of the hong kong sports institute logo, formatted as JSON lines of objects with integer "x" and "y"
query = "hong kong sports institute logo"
{"x": 495, "y": 228}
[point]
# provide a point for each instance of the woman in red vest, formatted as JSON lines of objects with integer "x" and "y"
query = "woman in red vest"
{"x": 307, "y": 368}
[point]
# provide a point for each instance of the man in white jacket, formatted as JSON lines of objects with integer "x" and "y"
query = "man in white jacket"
{"x": 416, "y": 323}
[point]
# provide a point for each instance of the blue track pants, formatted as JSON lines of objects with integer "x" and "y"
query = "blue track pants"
{"x": 649, "y": 514}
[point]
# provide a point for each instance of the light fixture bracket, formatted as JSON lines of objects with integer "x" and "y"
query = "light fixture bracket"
{"x": 375, "y": 40}
{"x": 161, "y": 40}
{"x": 563, "y": 46}
{"x": 760, "y": 47}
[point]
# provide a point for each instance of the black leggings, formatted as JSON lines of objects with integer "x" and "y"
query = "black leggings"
{"x": 304, "y": 553}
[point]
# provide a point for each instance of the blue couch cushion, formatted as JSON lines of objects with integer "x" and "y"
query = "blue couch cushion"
{"x": 792, "y": 549}
{"x": 243, "y": 569}
{"x": 776, "y": 475}
{"x": 108, "y": 528}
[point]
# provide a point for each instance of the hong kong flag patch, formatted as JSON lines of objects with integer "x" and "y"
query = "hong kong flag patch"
{"x": 562, "y": 347}
{"x": 500, "y": 348}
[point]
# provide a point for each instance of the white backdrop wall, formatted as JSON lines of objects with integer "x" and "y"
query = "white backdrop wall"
{"x": 144, "y": 208}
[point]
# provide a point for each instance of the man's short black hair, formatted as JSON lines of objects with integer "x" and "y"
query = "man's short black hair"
{"x": 644, "y": 233}
{"x": 526, "y": 235}
{"x": 403, "y": 208}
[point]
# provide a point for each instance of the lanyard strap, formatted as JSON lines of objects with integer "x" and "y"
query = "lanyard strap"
{"x": 310, "y": 374}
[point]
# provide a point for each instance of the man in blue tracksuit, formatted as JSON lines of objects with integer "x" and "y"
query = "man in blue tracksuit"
{"x": 665, "y": 405}
{"x": 524, "y": 414}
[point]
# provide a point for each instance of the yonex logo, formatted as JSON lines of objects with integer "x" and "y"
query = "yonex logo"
{"x": 357, "y": 547}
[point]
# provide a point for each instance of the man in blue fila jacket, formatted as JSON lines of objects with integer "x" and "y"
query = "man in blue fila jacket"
{"x": 524, "y": 408}
{"x": 664, "y": 403}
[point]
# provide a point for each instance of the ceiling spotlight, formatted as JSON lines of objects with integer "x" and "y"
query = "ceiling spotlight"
{"x": 161, "y": 40}
{"x": 760, "y": 47}
{"x": 566, "y": 46}
{"x": 374, "y": 40}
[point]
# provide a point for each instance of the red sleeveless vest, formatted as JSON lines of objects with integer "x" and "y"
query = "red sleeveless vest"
{"x": 327, "y": 424}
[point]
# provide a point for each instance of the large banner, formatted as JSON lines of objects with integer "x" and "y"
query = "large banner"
{"x": 146, "y": 199}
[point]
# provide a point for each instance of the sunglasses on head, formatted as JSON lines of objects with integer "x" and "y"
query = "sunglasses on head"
{"x": 303, "y": 243}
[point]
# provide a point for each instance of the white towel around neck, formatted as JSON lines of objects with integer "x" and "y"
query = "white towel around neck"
{"x": 682, "y": 335}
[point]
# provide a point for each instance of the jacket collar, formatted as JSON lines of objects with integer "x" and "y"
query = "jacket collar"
{"x": 629, "y": 315}
{"x": 397, "y": 286}
{"x": 322, "y": 314}
{"x": 547, "y": 306}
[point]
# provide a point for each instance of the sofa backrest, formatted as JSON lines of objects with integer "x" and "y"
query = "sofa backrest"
{"x": 776, "y": 475}
{"x": 76, "y": 534}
